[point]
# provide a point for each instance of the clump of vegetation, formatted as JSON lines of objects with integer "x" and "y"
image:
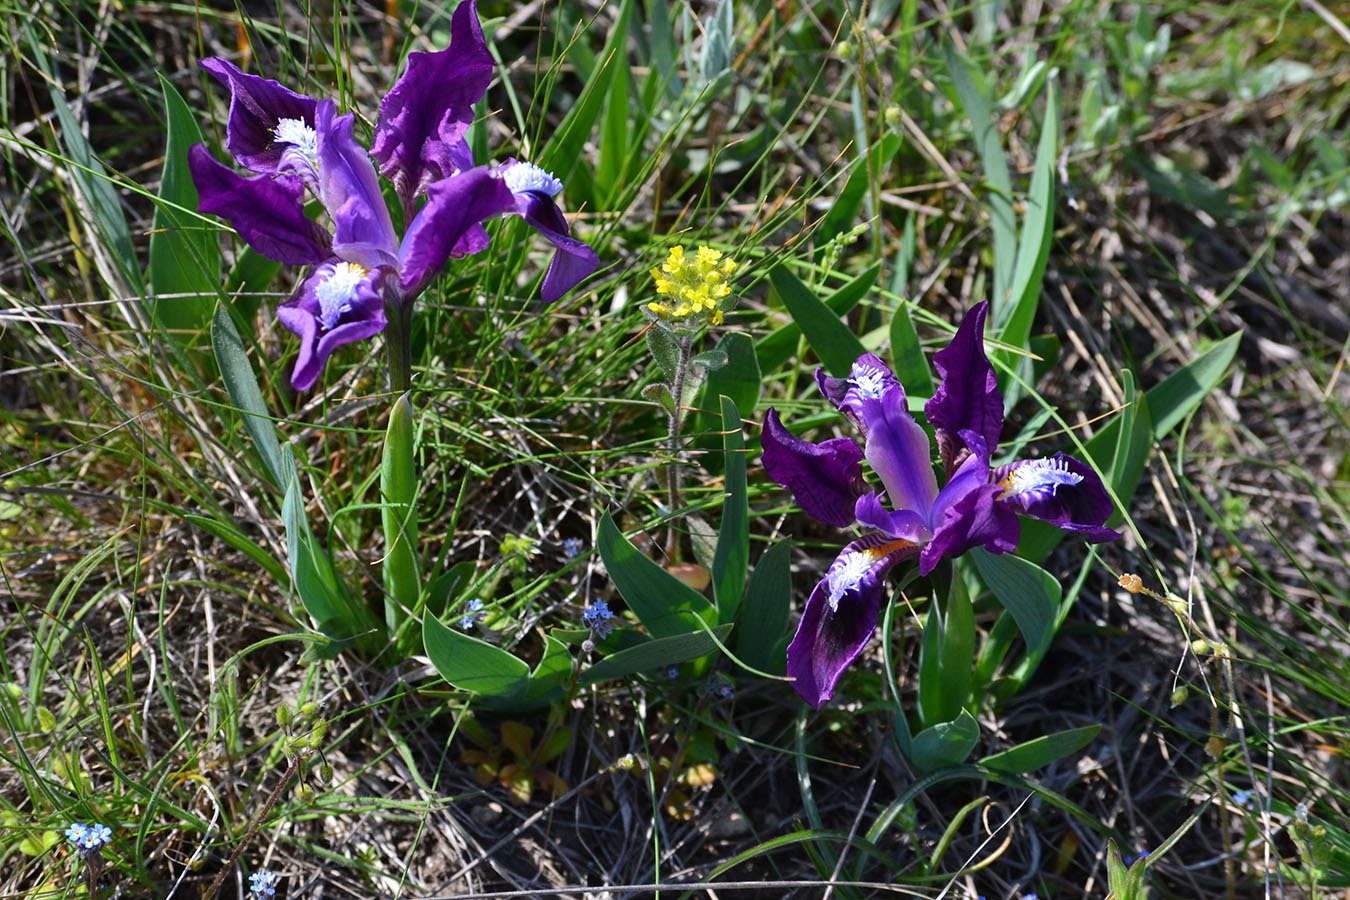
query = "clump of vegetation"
{"x": 423, "y": 471}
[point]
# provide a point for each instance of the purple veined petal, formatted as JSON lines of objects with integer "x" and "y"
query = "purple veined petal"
{"x": 968, "y": 396}
{"x": 257, "y": 107}
{"x": 574, "y": 260}
{"x": 265, "y": 210}
{"x": 975, "y": 519}
{"x": 841, "y": 615}
{"x": 898, "y": 450}
{"x": 903, "y": 524}
{"x": 471, "y": 243}
{"x": 340, "y": 302}
{"x": 869, "y": 380}
{"x": 454, "y": 207}
{"x": 972, "y": 474}
{"x": 350, "y": 191}
{"x": 825, "y": 479}
{"x": 419, "y": 137}
{"x": 1061, "y": 490}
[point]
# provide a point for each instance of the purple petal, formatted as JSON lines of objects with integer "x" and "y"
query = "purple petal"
{"x": 841, "y": 615}
{"x": 1060, "y": 490}
{"x": 419, "y": 137}
{"x": 473, "y": 242}
{"x": 454, "y": 207}
{"x": 257, "y": 106}
{"x": 350, "y": 191}
{"x": 903, "y": 524}
{"x": 340, "y": 302}
{"x": 974, "y": 473}
{"x": 265, "y": 210}
{"x": 573, "y": 260}
{"x": 899, "y": 451}
{"x": 869, "y": 379}
{"x": 968, "y": 397}
{"x": 825, "y": 479}
{"x": 974, "y": 519}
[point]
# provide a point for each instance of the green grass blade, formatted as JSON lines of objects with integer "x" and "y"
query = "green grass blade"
{"x": 662, "y": 652}
{"x": 471, "y": 664}
{"x": 615, "y": 150}
{"x": 1029, "y": 594}
{"x": 340, "y": 617}
{"x": 944, "y": 744}
{"x": 1013, "y": 319}
{"x": 563, "y": 152}
{"x": 91, "y": 178}
{"x": 732, "y": 557}
{"x": 231, "y": 535}
{"x": 775, "y": 349}
{"x": 1168, "y": 403}
{"x": 242, "y": 387}
{"x": 763, "y": 635}
{"x": 832, "y": 340}
{"x": 184, "y": 254}
{"x": 973, "y": 92}
{"x": 664, "y": 604}
{"x": 1041, "y": 751}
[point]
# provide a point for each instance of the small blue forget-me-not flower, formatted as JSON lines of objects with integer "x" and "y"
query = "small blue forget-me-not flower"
{"x": 263, "y": 883}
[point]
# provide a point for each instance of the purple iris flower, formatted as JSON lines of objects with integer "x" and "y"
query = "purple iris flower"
{"x": 363, "y": 271}
{"x": 977, "y": 506}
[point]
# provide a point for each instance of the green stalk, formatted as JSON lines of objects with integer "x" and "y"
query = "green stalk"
{"x": 676, "y": 420}
{"x": 398, "y": 344}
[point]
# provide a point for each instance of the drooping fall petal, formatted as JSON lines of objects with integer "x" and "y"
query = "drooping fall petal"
{"x": 825, "y": 479}
{"x": 266, "y": 210}
{"x": 573, "y": 261}
{"x": 340, "y": 302}
{"x": 1061, "y": 490}
{"x": 841, "y": 615}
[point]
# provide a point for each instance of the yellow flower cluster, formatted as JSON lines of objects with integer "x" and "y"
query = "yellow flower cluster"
{"x": 694, "y": 285}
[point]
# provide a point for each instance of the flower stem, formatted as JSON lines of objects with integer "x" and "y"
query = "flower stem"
{"x": 398, "y": 342}
{"x": 676, "y": 418}
{"x": 253, "y": 828}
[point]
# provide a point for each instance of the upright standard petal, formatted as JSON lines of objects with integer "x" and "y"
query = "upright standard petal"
{"x": 1061, "y": 490}
{"x": 968, "y": 397}
{"x": 265, "y": 210}
{"x": 258, "y": 107}
{"x": 841, "y": 615}
{"x": 905, "y": 524}
{"x": 868, "y": 379}
{"x": 977, "y": 519}
{"x": 899, "y": 451}
{"x": 340, "y": 302}
{"x": 454, "y": 207}
{"x": 825, "y": 479}
{"x": 350, "y": 191}
{"x": 419, "y": 137}
{"x": 967, "y": 513}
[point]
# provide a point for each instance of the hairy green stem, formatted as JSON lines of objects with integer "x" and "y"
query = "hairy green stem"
{"x": 676, "y": 419}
